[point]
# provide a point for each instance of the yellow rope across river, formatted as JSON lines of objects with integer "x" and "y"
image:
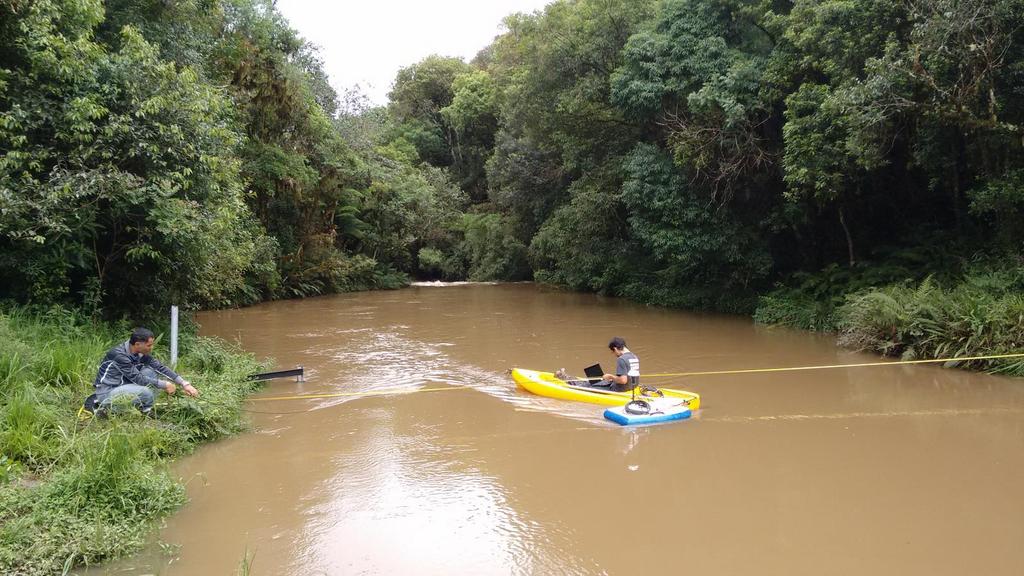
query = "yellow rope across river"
{"x": 408, "y": 390}
{"x": 894, "y": 363}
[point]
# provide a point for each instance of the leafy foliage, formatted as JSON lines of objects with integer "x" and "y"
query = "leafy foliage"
{"x": 582, "y": 244}
{"x": 689, "y": 241}
{"x": 131, "y": 178}
{"x": 1000, "y": 202}
{"x": 980, "y": 316}
{"x": 492, "y": 250}
{"x": 118, "y": 174}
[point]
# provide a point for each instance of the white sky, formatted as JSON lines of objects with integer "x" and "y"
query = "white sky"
{"x": 365, "y": 42}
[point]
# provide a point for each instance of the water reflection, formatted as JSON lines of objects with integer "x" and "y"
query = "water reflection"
{"x": 401, "y": 489}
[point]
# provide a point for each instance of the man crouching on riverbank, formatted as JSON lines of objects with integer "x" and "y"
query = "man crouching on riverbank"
{"x": 128, "y": 371}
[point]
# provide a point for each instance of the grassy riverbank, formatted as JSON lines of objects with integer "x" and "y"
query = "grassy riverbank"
{"x": 976, "y": 313}
{"x": 74, "y": 492}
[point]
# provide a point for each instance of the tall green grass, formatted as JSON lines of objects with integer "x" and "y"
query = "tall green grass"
{"x": 245, "y": 564}
{"x": 980, "y": 316}
{"x": 74, "y": 492}
{"x": 976, "y": 313}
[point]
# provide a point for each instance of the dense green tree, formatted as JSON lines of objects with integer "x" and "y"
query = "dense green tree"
{"x": 583, "y": 244}
{"x": 559, "y": 129}
{"x": 491, "y": 248}
{"x": 186, "y": 31}
{"x": 472, "y": 118}
{"x": 118, "y": 181}
{"x": 698, "y": 76}
{"x": 420, "y": 93}
{"x": 304, "y": 178}
{"x": 409, "y": 208}
{"x": 696, "y": 79}
{"x": 694, "y": 249}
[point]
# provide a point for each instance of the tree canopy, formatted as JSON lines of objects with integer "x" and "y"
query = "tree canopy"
{"x": 690, "y": 152}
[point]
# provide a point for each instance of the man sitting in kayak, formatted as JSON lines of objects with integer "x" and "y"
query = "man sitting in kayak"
{"x": 627, "y": 367}
{"x": 627, "y": 370}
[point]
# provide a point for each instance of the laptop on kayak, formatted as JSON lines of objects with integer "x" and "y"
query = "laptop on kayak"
{"x": 594, "y": 375}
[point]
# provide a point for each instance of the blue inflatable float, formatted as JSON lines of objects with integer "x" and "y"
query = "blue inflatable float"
{"x": 649, "y": 411}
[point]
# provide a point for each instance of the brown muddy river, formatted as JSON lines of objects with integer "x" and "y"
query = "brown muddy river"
{"x": 899, "y": 470}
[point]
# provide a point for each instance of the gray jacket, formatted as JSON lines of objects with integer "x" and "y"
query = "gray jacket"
{"x": 120, "y": 366}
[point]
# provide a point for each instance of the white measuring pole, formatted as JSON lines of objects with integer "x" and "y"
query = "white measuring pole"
{"x": 174, "y": 336}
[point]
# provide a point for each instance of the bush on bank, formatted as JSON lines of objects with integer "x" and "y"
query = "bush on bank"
{"x": 980, "y": 313}
{"x": 74, "y": 492}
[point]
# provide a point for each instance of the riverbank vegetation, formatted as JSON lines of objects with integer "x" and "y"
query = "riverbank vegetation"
{"x": 781, "y": 159}
{"x": 79, "y": 492}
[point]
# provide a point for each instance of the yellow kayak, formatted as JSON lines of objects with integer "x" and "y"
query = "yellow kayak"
{"x": 546, "y": 384}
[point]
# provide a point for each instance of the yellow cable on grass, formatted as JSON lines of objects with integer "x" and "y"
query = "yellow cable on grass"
{"x": 896, "y": 363}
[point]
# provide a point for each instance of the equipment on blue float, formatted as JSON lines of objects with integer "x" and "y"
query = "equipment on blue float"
{"x": 651, "y": 407}
{"x": 649, "y": 411}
